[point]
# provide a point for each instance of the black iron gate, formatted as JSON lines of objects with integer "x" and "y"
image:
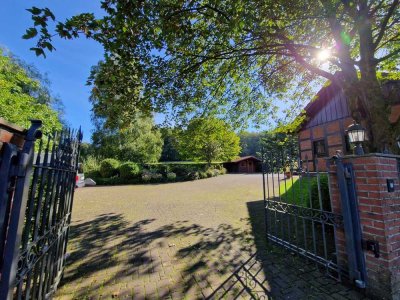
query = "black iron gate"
{"x": 299, "y": 215}
{"x": 36, "y": 191}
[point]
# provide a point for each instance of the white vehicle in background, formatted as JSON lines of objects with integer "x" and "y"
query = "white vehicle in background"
{"x": 80, "y": 177}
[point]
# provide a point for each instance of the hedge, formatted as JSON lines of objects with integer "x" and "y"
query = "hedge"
{"x": 112, "y": 172}
{"x": 129, "y": 170}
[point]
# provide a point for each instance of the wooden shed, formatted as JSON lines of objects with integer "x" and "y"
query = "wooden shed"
{"x": 246, "y": 164}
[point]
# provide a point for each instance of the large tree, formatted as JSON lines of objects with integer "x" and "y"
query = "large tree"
{"x": 139, "y": 142}
{"x": 234, "y": 57}
{"x": 169, "y": 151}
{"x": 120, "y": 133}
{"x": 208, "y": 139}
{"x": 23, "y": 95}
{"x": 250, "y": 143}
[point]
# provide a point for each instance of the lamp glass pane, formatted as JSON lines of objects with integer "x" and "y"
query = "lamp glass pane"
{"x": 356, "y": 136}
{"x": 360, "y": 135}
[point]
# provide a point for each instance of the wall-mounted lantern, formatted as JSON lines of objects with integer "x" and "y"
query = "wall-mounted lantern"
{"x": 356, "y": 135}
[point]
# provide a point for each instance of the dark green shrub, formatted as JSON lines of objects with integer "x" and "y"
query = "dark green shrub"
{"x": 129, "y": 170}
{"x": 156, "y": 177}
{"x": 93, "y": 174}
{"x": 182, "y": 170}
{"x": 193, "y": 176}
{"x": 202, "y": 175}
{"x": 116, "y": 181}
{"x": 91, "y": 164}
{"x": 324, "y": 188}
{"x": 109, "y": 167}
{"x": 210, "y": 173}
{"x": 146, "y": 176}
{"x": 164, "y": 169}
{"x": 171, "y": 176}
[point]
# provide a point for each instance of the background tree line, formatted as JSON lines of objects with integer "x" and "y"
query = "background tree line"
{"x": 25, "y": 94}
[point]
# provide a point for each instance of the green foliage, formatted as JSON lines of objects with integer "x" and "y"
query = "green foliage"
{"x": 109, "y": 167}
{"x": 276, "y": 144}
{"x": 250, "y": 143}
{"x": 139, "y": 142}
{"x": 86, "y": 150}
{"x": 116, "y": 181}
{"x": 131, "y": 173}
{"x": 23, "y": 96}
{"x": 146, "y": 176}
{"x": 115, "y": 93}
{"x": 129, "y": 170}
{"x": 297, "y": 191}
{"x": 91, "y": 164}
{"x": 184, "y": 170}
{"x": 169, "y": 151}
{"x": 210, "y": 172}
{"x": 324, "y": 190}
{"x": 171, "y": 176}
{"x": 208, "y": 139}
{"x": 203, "y": 175}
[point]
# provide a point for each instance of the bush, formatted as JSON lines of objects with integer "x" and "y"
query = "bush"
{"x": 156, "y": 177}
{"x": 324, "y": 187}
{"x": 129, "y": 170}
{"x": 109, "y": 167}
{"x": 193, "y": 176}
{"x": 116, "y": 181}
{"x": 146, "y": 176}
{"x": 182, "y": 170}
{"x": 93, "y": 175}
{"x": 222, "y": 171}
{"x": 91, "y": 164}
{"x": 171, "y": 176}
{"x": 202, "y": 175}
{"x": 210, "y": 172}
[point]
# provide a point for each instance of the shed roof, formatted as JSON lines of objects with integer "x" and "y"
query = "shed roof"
{"x": 245, "y": 158}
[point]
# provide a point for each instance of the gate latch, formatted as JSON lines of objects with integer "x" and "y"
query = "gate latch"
{"x": 371, "y": 246}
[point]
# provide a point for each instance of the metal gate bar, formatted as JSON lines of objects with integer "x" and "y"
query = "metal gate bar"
{"x": 35, "y": 230}
{"x": 297, "y": 207}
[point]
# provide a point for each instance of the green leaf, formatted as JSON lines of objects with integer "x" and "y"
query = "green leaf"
{"x": 34, "y": 10}
{"x": 30, "y": 33}
{"x": 38, "y": 51}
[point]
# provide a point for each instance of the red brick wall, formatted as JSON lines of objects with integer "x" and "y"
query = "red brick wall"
{"x": 379, "y": 213}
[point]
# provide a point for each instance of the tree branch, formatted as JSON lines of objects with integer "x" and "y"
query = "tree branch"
{"x": 385, "y": 22}
{"x": 310, "y": 67}
{"x": 390, "y": 55}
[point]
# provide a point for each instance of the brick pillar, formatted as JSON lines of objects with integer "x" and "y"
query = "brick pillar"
{"x": 379, "y": 212}
{"x": 10, "y": 133}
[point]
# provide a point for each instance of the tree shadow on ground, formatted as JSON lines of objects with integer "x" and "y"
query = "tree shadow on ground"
{"x": 113, "y": 258}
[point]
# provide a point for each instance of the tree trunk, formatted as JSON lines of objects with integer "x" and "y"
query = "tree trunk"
{"x": 364, "y": 94}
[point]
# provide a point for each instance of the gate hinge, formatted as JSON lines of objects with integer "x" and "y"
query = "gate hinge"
{"x": 371, "y": 246}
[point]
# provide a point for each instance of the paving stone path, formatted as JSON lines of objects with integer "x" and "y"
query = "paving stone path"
{"x": 193, "y": 240}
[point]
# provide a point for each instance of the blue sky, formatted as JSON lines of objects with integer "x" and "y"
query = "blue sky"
{"x": 68, "y": 67}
